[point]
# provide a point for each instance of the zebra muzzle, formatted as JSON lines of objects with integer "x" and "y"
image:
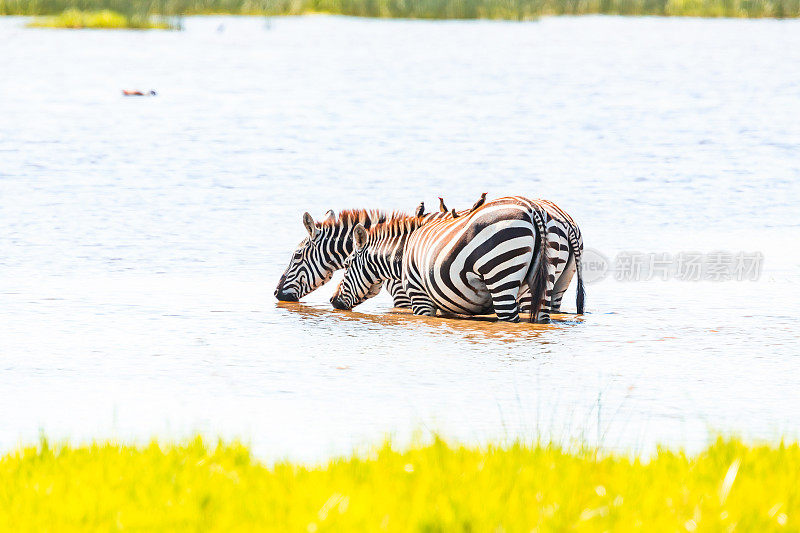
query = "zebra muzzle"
{"x": 283, "y": 295}
{"x": 338, "y": 303}
{"x": 286, "y": 296}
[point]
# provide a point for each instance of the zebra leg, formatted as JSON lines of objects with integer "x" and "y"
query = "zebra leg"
{"x": 505, "y": 306}
{"x": 559, "y": 256}
{"x": 547, "y": 300}
{"x": 524, "y": 299}
{"x": 399, "y": 297}
{"x": 422, "y": 305}
{"x": 503, "y": 292}
{"x": 562, "y": 283}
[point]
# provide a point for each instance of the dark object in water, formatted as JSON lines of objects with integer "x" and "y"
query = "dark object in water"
{"x": 126, "y": 92}
{"x": 442, "y": 207}
{"x": 478, "y": 203}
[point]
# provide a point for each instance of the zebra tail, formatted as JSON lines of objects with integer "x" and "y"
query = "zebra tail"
{"x": 580, "y": 296}
{"x": 537, "y": 276}
{"x": 580, "y": 293}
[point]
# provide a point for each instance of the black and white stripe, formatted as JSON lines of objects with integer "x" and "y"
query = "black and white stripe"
{"x": 565, "y": 244}
{"x": 399, "y": 297}
{"x": 470, "y": 264}
{"x": 324, "y": 251}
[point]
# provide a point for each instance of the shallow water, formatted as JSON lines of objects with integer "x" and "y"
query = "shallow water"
{"x": 142, "y": 237}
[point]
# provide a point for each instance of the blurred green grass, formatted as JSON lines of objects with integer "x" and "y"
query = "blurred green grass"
{"x": 437, "y": 486}
{"x": 422, "y": 9}
{"x": 105, "y": 19}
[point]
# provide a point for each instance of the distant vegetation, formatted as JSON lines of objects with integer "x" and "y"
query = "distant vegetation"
{"x": 105, "y": 19}
{"x": 424, "y": 9}
{"x": 436, "y": 487}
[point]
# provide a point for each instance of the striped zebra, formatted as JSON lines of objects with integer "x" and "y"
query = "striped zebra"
{"x": 325, "y": 249}
{"x": 566, "y": 243}
{"x": 470, "y": 264}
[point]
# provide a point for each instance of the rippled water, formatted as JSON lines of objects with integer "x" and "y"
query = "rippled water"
{"x": 142, "y": 237}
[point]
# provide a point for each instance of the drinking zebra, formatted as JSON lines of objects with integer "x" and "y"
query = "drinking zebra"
{"x": 564, "y": 239}
{"x": 323, "y": 252}
{"x": 471, "y": 264}
{"x": 563, "y": 235}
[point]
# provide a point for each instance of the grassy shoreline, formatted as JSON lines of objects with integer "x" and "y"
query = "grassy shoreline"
{"x": 434, "y": 487}
{"x": 105, "y": 19}
{"x": 416, "y": 9}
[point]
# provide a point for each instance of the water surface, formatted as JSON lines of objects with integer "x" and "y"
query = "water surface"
{"x": 142, "y": 237}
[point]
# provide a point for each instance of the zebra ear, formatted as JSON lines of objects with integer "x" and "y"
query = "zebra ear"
{"x": 311, "y": 226}
{"x": 330, "y": 215}
{"x": 359, "y": 236}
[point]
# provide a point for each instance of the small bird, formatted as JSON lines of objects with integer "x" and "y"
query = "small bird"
{"x": 478, "y": 203}
{"x": 420, "y": 210}
{"x": 128, "y": 92}
{"x": 442, "y": 207}
{"x": 453, "y": 212}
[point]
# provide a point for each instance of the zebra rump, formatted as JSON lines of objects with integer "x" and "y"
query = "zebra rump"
{"x": 468, "y": 264}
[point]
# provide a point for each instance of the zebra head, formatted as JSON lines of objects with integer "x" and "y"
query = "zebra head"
{"x": 362, "y": 279}
{"x": 313, "y": 262}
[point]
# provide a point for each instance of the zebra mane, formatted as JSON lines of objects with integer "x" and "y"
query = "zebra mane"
{"x": 351, "y": 217}
{"x": 396, "y": 224}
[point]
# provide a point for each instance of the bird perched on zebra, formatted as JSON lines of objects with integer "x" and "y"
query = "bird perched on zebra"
{"x": 471, "y": 264}
{"x": 479, "y": 203}
{"x": 325, "y": 249}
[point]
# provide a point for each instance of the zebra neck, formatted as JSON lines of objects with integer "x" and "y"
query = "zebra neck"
{"x": 396, "y": 264}
{"x": 388, "y": 240}
{"x": 391, "y": 256}
{"x": 338, "y": 244}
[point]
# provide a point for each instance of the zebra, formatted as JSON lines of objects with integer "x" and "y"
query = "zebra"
{"x": 564, "y": 237}
{"x": 566, "y": 244}
{"x": 323, "y": 252}
{"x": 472, "y": 264}
{"x": 566, "y": 250}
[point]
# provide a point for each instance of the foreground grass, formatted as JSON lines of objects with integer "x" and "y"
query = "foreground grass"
{"x": 105, "y": 19}
{"x": 437, "y": 487}
{"x": 421, "y": 9}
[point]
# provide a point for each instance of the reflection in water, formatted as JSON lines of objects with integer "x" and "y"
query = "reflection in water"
{"x": 482, "y": 327}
